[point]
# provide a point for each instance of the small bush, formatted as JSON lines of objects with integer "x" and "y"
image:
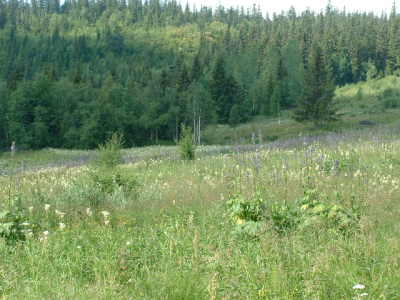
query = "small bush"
{"x": 308, "y": 212}
{"x": 315, "y": 212}
{"x": 14, "y": 226}
{"x": 106, "y": 175}
{"x": 243, "y": 210}
{"x": 108, "y": 180}
{"x": 187, "y": 147}
{"x": 284, "y": 218}
{"x": 109, "y": 153}
{"x": 247, "y": 214}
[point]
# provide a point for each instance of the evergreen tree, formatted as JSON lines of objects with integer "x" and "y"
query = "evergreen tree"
{"x": 393, "y": 57}
{"x": 76, "y": 71}
{"x": 218, "y": 89}
{"x": 295, "y": 73}
{"x": 317, "y": 103}
{"x": 3, "y": 120}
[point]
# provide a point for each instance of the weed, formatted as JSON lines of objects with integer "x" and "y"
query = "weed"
{"x": 247, "y": 214}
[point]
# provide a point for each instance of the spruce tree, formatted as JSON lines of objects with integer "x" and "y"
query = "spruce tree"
{"x": 317, "y": 103}
{"x": 393, "y": 57}
{"x": 218, "y": 89}
{"x": 3, "y": 120}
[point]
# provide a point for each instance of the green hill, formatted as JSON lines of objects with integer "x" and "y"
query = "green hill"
{"x": 369, "y": 103}
{"x": 73, "y": 73}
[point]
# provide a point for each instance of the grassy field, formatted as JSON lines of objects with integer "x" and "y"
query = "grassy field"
{"x": 365, "y": 104}
{"x": 294, "y": 220}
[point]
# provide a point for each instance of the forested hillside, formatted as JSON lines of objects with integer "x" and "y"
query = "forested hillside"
{"x": 71, "y": 74}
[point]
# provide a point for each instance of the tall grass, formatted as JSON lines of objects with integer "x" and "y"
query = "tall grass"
{"x": 173, "y": 238}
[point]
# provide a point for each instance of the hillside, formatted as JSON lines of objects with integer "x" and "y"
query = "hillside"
{"x": 370, "y": 103}
{"x": 71, "y": 74}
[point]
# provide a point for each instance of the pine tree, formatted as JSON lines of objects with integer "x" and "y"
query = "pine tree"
{"x": 3, "y": 120}
{"x": 317, "y": 103}
{"x": 295, "y": 73}
{"x": 218, "y": 88}
{"x": 393, "y": 59}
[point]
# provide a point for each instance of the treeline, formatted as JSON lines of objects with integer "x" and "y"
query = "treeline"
{"x": 72, "y": 74}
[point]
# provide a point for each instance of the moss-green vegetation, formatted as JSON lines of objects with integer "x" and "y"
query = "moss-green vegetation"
{"x": 326, "y": 219}
{"x": 365, "y": 104}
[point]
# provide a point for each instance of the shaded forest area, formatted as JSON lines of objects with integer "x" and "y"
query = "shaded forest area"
{"x": 72, "y": 74}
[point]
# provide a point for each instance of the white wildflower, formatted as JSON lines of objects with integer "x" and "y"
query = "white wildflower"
{"x": 89, "y": 212}
{"x": 30, "y": 209}
{"x": 105, "y": 214}
{"x": 62, "y": 226}
{"x": 47, "y": 207}
{"x": 106, "y": 222}
{"x": 60, "y": 213}
{"x": 46, "y": 233}
{"x": 359, "y": 286}
{"x": 364, "y": 295}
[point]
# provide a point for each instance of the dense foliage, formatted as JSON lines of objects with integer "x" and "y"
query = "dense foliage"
{"x": 72, "y": 74}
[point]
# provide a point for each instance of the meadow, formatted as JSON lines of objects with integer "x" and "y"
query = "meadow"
{"x": 296, "y": 219}
{"x": 360, "y": 105}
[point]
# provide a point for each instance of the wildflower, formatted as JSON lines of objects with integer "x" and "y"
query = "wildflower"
{"x": 128, "y": 243}
{"x": 25, "y": 224}
{"x": 44, "y": 237}
{"x": 364, "y": 295}
{"x": 30, "y": 209}
{"x": 89, "y": 212}
{"x": 105, "y": 213}
{"x": 46, "y": 207}
{"x": 62, "y": 226}
{"x": 240, "y": 221}
{"x": 79, "y": 247}
{"x": 359, "y": 287}
{"x": 106, "y": 222}
{"x": 60, "y": 213}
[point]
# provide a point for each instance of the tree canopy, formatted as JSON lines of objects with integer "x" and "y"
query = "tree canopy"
{"x": 71, "y": 74}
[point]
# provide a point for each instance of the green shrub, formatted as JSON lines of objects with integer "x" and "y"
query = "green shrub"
{"x": 110, "y": 179}
{"x": 84, "y": 193}
{"x": 390, "y": 98}
{"x": 314, "y": 212}
{"x": 187, "y": 147}
{"x": 109, "y": 154}
{"x": 242, "y": 210}
{"x": 308, "y": 212}
{"x": 284, "y": 218}
{"x": 14, "y": 226}
{"x": 106, "y": 175}
{"x": 247, "y": 215}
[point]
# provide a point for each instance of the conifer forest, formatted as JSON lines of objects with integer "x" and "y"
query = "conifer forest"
{"x": 73, "y": 73}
